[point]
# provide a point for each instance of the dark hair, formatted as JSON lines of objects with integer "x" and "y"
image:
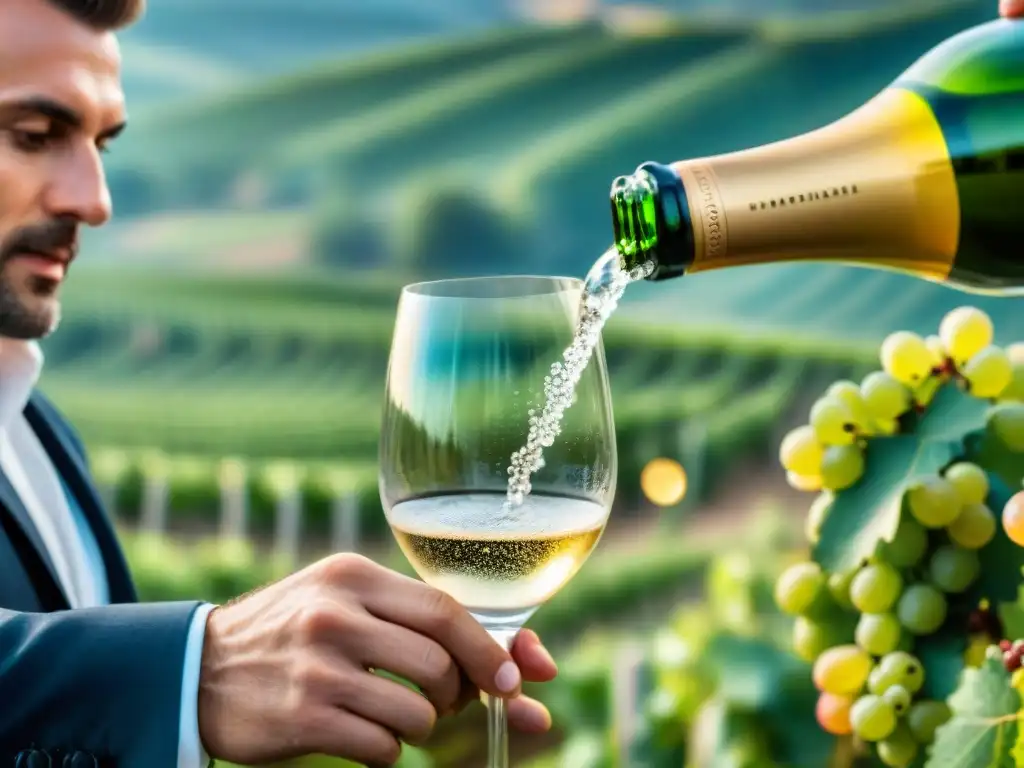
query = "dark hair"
{"x": 103, "y": 14}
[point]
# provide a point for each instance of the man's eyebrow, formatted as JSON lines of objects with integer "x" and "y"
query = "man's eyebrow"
{"x": 54, "y": 110}
{"x": 40, "y": 105}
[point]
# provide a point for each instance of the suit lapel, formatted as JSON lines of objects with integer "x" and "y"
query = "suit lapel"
{"x": 10, "y": 500}
{"x": 70, "y": 465}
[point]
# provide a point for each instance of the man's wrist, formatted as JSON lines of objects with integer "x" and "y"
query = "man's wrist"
{"x": 191, "y": 750}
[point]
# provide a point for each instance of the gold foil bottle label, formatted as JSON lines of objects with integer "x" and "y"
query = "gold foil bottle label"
{"x": 874, "y": 188}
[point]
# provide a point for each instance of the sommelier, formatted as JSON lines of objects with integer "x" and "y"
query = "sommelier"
{"x": 88, "y": 675}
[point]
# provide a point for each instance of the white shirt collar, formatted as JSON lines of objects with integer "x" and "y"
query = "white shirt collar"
{"x": 21, "y": 362}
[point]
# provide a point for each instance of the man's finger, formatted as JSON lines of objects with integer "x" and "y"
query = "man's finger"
{"x": 413, "y": 657}
{"x": 528, "y": 715}
{"x": 410, "y": 603}
{"x": 389, "y": 704}
{"x": 533, "y": 658}
{"x": 342, "y": 734}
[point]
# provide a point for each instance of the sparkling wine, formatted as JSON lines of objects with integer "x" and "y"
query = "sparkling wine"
{"x": 926, "y": 178}
{"x": 604, "y": 286}
{"x": 498, "y": 561}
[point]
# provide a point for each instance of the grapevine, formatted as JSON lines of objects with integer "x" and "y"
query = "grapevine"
{"x": 908, "y": 609}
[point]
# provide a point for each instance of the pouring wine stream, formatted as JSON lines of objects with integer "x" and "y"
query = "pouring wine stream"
{"x": 603, "y": 287}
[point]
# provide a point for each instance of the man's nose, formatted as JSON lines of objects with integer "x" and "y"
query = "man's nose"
{"x": 79, "y": 190}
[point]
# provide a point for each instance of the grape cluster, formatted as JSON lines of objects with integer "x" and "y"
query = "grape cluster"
{"x": 827, "y": 453}
{"x": 859, "y": 628}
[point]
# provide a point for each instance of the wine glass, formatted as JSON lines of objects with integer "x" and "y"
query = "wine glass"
{"x": 466, "y": 380}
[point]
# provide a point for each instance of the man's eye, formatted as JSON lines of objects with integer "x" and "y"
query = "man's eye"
{"x": 32, "y": 141}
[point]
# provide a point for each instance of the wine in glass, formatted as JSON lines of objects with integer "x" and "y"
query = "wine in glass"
{"x": 473, "y": 380}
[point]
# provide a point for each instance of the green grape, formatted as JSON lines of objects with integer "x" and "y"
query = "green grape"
{"x": 1007, "y": 424}
{"x": 833, "y": 422}
{"x": 925, "y": 717}
{"x": 969, "y": 480}
{"x": 906, "y": 357}
{"x": 885, "y": 427}
{"x": 964, "y": 332}
{"x": 934, "y": 502}
{"x": 848, "y": 393}
{"x": 899, "y": 749}
{"x": 842, "y": 466}
{"x": 841, "y": 670}
{"x": 908, "y": 545}
{"x": 823, "y": 607}
{"x": 953, "y": 569}
{"x": 935, "y": 346}
{"x": 988, "y": 373}
{"x": 812, "y": 638}
{"x": 878, "y": 633}
{"x": 974, "y": 528}
{"x": 884, "y": 396}
{"x": 1015, "y": 389}
{"x": 922, "y": 609}
{"x": 899, "y": 697}
{"x": 816, "y": 516}
{"x": 801, "y": 452}
{"x": 1016, "y": 352}
{"x": 808, "y": 483}
{"x": 876, "y": 588}
{"x": 872, "y": 717}
{"x": 798, "y": 586}
{"x": 896, "y": 668}
{"x": 839, "y": 588}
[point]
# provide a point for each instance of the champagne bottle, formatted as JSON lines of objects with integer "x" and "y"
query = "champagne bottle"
{"x": 926, "y": 178}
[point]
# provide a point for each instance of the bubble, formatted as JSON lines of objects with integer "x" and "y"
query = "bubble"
{"x": 600, "y": 299}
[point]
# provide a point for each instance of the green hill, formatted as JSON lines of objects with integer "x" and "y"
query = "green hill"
{"x": 205, "y": 367}
{"x": 493, "y": 153}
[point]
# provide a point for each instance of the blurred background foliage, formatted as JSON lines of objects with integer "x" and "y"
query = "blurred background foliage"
{"x": 290, "y": 165}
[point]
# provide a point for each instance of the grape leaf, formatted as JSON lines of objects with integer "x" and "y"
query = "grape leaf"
{"x": 942, "y": 655}
{"x": 951, "y": 414}
{"x": 984, "y": 726}
{"x": 868, "y": 511}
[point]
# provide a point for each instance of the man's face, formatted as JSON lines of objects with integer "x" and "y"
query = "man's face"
{"x": 61, "y": 103}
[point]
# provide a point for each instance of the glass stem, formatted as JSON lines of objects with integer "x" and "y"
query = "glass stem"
{"x": 497, "y": 713}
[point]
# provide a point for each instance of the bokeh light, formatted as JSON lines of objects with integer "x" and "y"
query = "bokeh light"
{"x": 663, "y": 482}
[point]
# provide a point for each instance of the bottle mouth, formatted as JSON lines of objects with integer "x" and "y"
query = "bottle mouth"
{"x": 651, "y": 221}
{"x": 634, "y": 217}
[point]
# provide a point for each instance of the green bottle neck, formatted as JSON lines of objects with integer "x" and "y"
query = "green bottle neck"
{"x": 651, "y": 221}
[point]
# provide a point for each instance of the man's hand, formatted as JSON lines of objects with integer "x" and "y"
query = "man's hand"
{"x": 286, "y": 670}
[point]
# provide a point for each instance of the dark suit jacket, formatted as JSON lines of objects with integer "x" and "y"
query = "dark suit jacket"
{"x": 89, "y": 687}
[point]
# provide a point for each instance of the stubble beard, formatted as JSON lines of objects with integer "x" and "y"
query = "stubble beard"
{"x": 19, "y": 319}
